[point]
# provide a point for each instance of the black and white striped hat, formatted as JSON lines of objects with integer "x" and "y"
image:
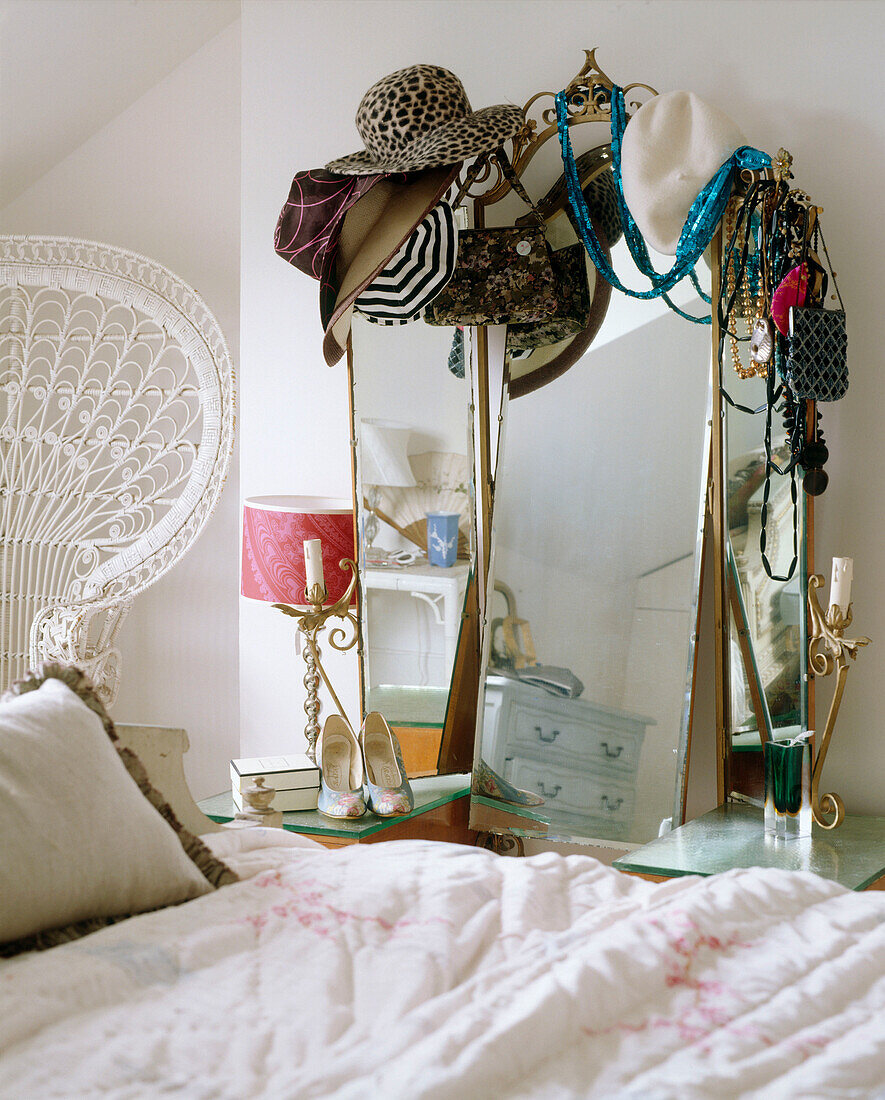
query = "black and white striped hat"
{"x": 416, "y": 274}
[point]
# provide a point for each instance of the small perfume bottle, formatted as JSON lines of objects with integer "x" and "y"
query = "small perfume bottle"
{"x": 788, "y": 787}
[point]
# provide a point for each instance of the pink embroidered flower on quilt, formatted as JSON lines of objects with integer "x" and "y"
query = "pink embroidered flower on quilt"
{"x": 711, "y": 1005}
{"x": 306, "y": 905}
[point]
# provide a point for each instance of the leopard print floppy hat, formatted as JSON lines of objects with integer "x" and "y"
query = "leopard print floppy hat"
{"x": 420, "y": 117}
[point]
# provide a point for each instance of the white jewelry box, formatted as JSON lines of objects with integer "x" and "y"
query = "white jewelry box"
{"x": 303, "y": 798}
{"x": 295, "y": 778}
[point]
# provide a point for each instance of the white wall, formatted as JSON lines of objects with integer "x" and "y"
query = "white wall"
{"x": 163, "y": 178}
{"x": 800, "y": 74}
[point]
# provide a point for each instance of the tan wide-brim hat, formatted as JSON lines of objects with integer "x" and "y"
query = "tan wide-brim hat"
{"x": 372, "y": 233}
{"x": 671, "y": 149}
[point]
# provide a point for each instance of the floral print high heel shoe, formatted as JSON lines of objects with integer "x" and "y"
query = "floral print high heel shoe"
{"x": 341, "y": 771}
{"x": 387, "y": 787}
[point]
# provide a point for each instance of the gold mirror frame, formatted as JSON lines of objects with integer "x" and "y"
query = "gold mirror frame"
{"x": 589, "y": 94}
{"x": 725, "y": 598}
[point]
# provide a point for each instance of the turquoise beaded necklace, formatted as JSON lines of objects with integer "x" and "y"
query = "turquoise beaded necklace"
{"x": 700, "y": 225}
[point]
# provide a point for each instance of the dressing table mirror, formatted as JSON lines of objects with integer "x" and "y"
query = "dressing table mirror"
{"x": 763, "y": 527}
{"x": 412, "y": 456}
{"x": 598, "y": 486}
{"x": 768, "y": 693}
{"x": 596, "y": 461}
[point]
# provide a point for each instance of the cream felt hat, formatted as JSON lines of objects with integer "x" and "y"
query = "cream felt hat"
{"x": 671, "y": 149}
{"x": 371, "y": 235}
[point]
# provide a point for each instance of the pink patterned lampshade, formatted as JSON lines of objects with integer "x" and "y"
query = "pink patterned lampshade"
{"x": 274, "y": 533}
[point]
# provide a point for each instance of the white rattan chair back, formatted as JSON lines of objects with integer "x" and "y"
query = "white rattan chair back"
{"x": 116, "y": 432}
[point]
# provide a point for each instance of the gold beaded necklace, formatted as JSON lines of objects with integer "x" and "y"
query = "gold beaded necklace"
{"x": 743, "y": 306}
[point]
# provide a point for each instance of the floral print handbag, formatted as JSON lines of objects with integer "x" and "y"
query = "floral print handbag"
{"x": 504, "y": 275}
{"x": 572, "y": 310}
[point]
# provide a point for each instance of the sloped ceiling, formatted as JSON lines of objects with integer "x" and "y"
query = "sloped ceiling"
{"x": 67, "y": 67}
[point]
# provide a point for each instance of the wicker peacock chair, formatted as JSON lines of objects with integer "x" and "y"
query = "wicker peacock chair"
{"x": 116, "y": 432}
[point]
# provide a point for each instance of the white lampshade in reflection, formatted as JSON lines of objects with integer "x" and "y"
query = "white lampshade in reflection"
{"x": 384, "y": 451}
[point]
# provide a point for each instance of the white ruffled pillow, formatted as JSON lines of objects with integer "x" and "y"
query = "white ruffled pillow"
{"x": 78, "y": 839}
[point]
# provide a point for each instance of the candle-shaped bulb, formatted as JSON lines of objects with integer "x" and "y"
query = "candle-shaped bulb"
{"x": 313, "y": 564}
{"x": 840, "y": 585}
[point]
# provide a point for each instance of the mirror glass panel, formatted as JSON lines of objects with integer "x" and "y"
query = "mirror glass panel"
{"x": 766, "y": 616}
{"x": 596, "y": 539}
{"x": 412, "y": 432}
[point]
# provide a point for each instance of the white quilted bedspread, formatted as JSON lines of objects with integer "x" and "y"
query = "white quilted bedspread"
{"x": 410, "y": 969}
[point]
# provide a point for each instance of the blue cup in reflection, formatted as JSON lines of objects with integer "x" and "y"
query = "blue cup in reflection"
{"x": 442, "y": 538}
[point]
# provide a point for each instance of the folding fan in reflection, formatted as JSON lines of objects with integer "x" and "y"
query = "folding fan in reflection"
{"x": 443, "y": 485}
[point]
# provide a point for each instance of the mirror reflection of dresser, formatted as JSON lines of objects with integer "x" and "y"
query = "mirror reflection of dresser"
{"x": 581, "y": 758}
{"x": 597, "y": 530}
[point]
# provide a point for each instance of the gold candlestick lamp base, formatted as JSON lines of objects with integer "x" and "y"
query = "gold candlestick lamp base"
{"x": 310, "y": 623}
{"x": 828, "y": 650}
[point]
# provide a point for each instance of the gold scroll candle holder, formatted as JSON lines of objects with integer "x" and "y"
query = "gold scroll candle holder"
{"x": 828, "y": 650}
{"x": 310, "y": 623}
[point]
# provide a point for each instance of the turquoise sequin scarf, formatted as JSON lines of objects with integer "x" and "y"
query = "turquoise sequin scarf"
{"x": 700, "y": 225}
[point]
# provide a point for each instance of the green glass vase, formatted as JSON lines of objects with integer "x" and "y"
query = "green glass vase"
{"x": 788, "y": 788}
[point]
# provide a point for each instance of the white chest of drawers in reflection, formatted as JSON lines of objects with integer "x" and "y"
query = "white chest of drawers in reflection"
{"x": 401, "y": 650}
{"x": 580, "y": 757}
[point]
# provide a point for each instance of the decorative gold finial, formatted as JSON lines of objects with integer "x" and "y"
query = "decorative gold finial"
{"x": 782, "y": 165}
{"x": 259, "y": 797}
{"x": 258, "y": 805}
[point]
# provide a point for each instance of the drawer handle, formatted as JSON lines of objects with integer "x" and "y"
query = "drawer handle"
{"x": 548, "y": 737}
{"x": 613, "y": 805}
{"x": 612, "y": 755}
{"x": 548, "y": 794}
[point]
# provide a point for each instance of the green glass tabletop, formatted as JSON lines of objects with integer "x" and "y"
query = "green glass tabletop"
{"x": 430, "y": 792}
{"x": 510, "y": 808}
{"x": 733, "y": 836}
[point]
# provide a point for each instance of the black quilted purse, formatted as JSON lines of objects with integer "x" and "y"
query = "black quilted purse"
{"x": 817, "y": 365}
